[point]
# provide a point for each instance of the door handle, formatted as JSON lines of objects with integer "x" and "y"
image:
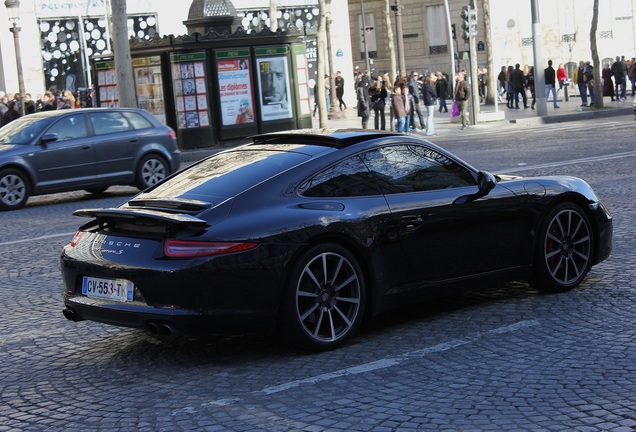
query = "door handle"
{"x": 411, "y": 222}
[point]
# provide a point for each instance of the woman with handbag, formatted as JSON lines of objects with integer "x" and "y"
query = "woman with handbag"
{"x": 378, "y": 94}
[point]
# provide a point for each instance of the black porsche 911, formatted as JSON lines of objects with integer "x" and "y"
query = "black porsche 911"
{"x": 312, "y": 232}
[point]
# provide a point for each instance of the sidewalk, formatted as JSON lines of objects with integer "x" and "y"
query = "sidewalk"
{"x": 568, "y": 111}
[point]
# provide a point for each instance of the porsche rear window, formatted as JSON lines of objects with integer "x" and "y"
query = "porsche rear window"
{"x": 227, "y": 174}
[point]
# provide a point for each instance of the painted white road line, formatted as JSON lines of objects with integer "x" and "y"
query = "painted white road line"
{"x": 394, "y": 361}
{"x": 570, "y": 162}
{"x": 46, "y": 237}
{"x": 371, "y": 366}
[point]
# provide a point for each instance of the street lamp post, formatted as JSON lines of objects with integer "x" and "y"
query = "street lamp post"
{"x": 13, "y": 10}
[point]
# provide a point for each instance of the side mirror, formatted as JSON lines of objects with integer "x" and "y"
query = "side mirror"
{"x": 48, "y": 137}
{"x": 485, "y": 183}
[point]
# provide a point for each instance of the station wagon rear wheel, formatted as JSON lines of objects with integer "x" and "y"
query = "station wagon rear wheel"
{"x": 565, "y": 249}
{"x": 325, "y": 298}
{"x": 14, "y": 189}
{"x": 152, "y": 169}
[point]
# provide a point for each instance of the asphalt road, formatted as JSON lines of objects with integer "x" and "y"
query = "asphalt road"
{"x": 505, "y": 359}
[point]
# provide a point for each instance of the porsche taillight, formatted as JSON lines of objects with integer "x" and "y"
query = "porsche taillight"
{"x": 76, "y": 238}
{"x": 192, "y": 249}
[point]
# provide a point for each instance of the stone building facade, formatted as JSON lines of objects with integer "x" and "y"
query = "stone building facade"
{"x": 565, "y": 31}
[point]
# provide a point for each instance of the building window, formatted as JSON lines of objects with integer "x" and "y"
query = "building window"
{"x": 527, "y": 41}
{"x": 568, "y": 37}
{"x": 439, "y": 49}
{"x": 367, "y": 34}
{"x": 570, "y": 67}
{"x": 436, "y": 29}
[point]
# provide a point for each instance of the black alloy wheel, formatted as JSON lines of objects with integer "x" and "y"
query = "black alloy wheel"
{"x": 565, "y": 248}
{"x": 325, "y": 298}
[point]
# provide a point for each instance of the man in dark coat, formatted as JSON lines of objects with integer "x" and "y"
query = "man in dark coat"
{"x": 550, "y": 83}
{"x": 517, "y": 79}
{"x": 339, "y": 81}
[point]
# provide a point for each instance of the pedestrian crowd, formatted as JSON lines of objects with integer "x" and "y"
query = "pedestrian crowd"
{"x": 402, "y": 99}
{"x": 11, "y": 107}
{"x": 515, "y": 83}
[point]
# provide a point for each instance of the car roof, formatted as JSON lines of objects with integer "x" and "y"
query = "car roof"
{"x": 335, "y": 138}
{"x": 60, "y": 112}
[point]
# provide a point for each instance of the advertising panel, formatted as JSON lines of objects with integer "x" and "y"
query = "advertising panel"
{"x": 190, "y": 90}
{"x": 235, "y": 87}
{"x": 273, "y": 80}
{"x": 107, "y": 84}
{"x": 148, "y": 82}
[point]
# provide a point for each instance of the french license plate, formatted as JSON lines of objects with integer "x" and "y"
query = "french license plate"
{"x": 121, "y": 290}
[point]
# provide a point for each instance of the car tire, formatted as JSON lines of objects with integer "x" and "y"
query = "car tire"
{"x": 152, "y": 169}
{"x": 14, "y": 189}
{"x": 325, "y": 298}
{"x": 565, "y": 248}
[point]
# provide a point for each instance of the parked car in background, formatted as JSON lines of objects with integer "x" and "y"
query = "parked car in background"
{"x": 310, "y": 232}
{"x": 91, "y": 149}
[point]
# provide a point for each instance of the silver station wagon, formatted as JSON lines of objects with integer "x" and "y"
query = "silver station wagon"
{"x": 90, "y": 149}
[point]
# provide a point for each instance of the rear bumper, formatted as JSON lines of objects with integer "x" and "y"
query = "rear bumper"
{"x": 184, "y": 321}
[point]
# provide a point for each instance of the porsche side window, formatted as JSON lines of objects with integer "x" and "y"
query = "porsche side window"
{"x": 412, "y": 168}
{"x": 70, "y": 127}
{"x": 349, "y": 178}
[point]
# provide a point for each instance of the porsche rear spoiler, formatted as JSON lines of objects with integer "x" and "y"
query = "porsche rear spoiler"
{"x": 141, "y": 216}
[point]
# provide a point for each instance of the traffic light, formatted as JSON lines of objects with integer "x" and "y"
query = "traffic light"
{"x": 454, "y": 31}
{"x": 469, "y": 22}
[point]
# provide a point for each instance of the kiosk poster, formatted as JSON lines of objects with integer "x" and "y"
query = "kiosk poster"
{"x": 273, "y": 77}
{"x": 148, "y": 79}
{"x": 189, "y": 84}
{"x": 107, "y": 84}
{"x": 235, "y": 88}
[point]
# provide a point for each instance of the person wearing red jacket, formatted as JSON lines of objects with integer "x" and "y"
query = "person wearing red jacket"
{"x": 561, "y": 76}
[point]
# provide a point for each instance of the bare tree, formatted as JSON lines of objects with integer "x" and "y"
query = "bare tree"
{"x": 121, "y": 49}
{"x": 390, "y": 41}
{"x": 595, "y": 59}
{"x": 273, "y": 21}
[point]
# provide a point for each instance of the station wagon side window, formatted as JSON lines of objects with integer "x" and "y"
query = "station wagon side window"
{"x": 69, "y": 127}
{"x": 108, "y": 122}
{"x": 137, "y": 120}
{"x": 413, "y": 168}
{"x": 348, "y": 178}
